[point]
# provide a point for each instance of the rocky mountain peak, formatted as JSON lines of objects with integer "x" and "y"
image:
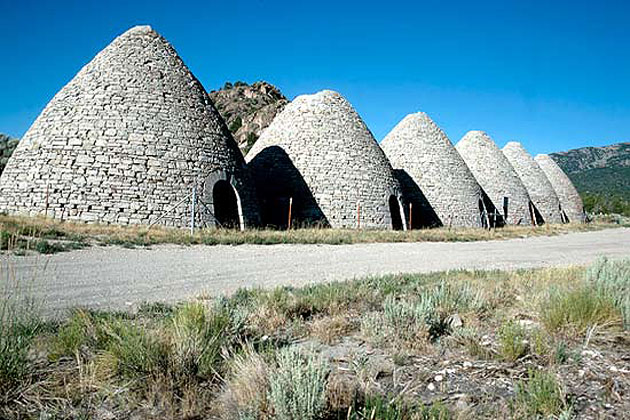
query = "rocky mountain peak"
{"x": 248, "y": 109}
{"x": 7, "y": 146}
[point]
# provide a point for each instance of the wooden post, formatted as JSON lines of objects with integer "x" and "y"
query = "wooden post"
{"x": 410, "y": 216}
{"x": 290, "y": 208}
{"x": 532, "y": 214}
{"x": 358, "y": 215}
{"x": 193, "y": 202}
{"x": 485, "y": 213}
{"x": 505, "y": 209}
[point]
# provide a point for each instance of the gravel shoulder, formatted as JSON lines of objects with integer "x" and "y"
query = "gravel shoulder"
{"x": 121, "y": 278}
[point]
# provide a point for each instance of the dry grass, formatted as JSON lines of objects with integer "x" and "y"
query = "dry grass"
{"x": 266, "y": 354}
{"x": 329, "y": 329}
{"x": 245, "y": 391}
{"x": 540, "y": 395}
{"x": 48, "y": 235}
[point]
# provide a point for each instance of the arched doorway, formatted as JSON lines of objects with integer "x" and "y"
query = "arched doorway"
{"x": 225, "y": 203}
{"x": 491, "y": 217}
{"x": 537, "y": 218}
{"x": 417, "y": 208}
{"x": 394, "y": 210}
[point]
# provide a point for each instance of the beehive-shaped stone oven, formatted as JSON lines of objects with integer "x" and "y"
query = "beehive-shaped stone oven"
{"x": 125, "y": 141}
{"x": 319, "y": 153}
{"x": 570, "y": 200}
{"x": 497, "y": 177}
{"x": 430, "y": 170}
{"x": 540, "y": 191}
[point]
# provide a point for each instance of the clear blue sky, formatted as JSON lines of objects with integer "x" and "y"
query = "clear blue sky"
{"x": 553, "y": 75}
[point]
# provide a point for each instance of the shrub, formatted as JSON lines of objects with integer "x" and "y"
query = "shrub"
{"x": 391, "y": 408}
{"x": 450, "y": 299}
{"x": 244, "y": 395}
{"x": 134, "y": 352}
{"x": 471, "y": 340}
{"x": 540, "y": 394}
{"x": 410, "y": 321}
{"x": 428, "y": 316}
{"x": 612, "y": 278}
{"x": 236, "y": 124}
{"x": 46, "y": 247}
{"x": 5, "y": 240}
{"x": 155, "y": 309}
{"x": 561, "y": 353}
{"x": 78, "y": 332}
{"x": 603, "y": 297}
{"x": 378, "y": 407}
{"x": 330, "y": 328}
{"x": 435, "y": 411}
{"x": 199, "y": 334}
{"x": 249, "y": 141}
{"x": 577, "y": 308}
{"x": 512, "y": 341}
{"x": 19, "y": 324}
{"x": 298, "y": 385}
{"x": 86, "y": 331}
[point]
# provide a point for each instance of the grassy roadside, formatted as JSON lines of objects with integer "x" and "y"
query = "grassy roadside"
{"x": 546, "y": 343}
{"x": 50, "y": 236}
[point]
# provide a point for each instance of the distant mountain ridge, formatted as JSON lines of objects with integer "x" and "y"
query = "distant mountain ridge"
{"x": 248, "y": 109}
{"x": 601, "y": 176}
{"x": 577, "y": 160}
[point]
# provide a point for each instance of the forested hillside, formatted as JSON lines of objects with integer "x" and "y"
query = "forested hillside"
{"x": 601, "y": 175}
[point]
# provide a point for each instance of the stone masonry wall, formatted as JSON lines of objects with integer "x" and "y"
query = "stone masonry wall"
{"x": 127, "y": 138}
{"x": 570, "y": 200}
{"x": 320, "y": 151}
{"x": 495, "y": 175}
{"x": 538, "y": 186}
{"x": 418, "y": 146}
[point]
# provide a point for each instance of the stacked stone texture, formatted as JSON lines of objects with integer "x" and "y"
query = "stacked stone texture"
{"x": 570, "y": 200}
{"x": 496, "y": 176}
{"x": 539, "y": 188}
{"x": 125, "y": 140}
{"x": 320, "y": 142}
{"x": 419, "y": 147}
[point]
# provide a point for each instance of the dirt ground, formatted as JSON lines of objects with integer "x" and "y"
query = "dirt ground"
{"x": 122, "y": 278}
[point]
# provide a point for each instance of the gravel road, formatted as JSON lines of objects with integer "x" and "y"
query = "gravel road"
{"x": 119, "y": 278}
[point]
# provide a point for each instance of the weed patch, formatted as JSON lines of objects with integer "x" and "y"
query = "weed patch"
{"x": 427, "y": 318}
{"x": 513, "y": 343}
{"x": 245, "y": 395}
{"x": 298, "y": 385}
{"x": 577, "y": 308}
{"x": 539, "y": 395}
{"x": 49, "y": 235}
{"x": 430, "y": 346}
{"x": 20, "y": 323}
